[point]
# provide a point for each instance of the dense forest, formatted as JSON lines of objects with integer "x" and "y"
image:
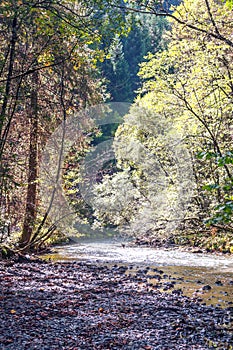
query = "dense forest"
{"x": 166, "y": 67}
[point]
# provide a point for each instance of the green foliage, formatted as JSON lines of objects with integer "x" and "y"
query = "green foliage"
{"x": 229, "y": 3}
{"x": 127, "y": 52}
{"x": 220, "y": 159}
{"x": 193, "y": 78}
{"x": 137, "y": 198}
{"x": 106, "y": 132}
{"x": 62, "y": 41}
{"x": 184, "y": 107}
{"x": 210, "y": 240}
{"x": 187, "y": 91}
{"x": 223, "y": 212}
{"x": 72, "y": 179}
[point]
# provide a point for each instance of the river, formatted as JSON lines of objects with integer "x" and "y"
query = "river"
{"x": 191, "y": 272}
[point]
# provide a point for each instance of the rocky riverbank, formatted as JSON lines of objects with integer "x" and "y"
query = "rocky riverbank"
{"x": 79, "y": 306}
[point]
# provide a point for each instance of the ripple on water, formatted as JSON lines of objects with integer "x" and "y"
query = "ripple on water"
{"x": 111, "y": 251}
{"x": 191, "y": 272}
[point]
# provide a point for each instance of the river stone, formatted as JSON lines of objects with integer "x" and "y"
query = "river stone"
{"x": 207, "y": 287}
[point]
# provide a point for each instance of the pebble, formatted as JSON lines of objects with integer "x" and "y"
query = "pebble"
{"x": 79, "y": 306}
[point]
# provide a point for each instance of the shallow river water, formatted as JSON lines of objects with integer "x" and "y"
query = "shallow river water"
{"x": 191, "y": 272}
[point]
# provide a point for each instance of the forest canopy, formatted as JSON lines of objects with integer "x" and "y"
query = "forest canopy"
{"x": 171, "y": 179}
{"x": 180, "y": 132}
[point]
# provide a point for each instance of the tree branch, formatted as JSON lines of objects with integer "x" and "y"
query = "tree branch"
{"x": 216, "y": 35}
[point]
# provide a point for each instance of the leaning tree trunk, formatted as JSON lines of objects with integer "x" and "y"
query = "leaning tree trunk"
{"x": 31, "y": 201}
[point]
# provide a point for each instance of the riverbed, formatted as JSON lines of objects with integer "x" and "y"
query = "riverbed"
{"x": 206, "y": 276}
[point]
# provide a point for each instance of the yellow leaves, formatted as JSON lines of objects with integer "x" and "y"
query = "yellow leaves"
{"x": 13, "y": 311}
{"x": 191, "y": 69}
{"x": 101, "y": 58}
{"x": 45, "y": 59}
{"x": 86, "y": 58}
{"x": 89, "y": 42}
{"x": 69, "y": 110}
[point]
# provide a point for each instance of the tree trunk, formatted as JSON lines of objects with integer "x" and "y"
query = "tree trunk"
{"x": 30, "y": 212}
{"x": 10, "y": 72}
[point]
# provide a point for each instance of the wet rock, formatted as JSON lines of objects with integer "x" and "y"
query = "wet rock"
{"x": 122, "y": 269}
{"x": 230, "y": 309}
{"x": 155, "y": 269}
{"x": 177, "y": 291}
{"x": 199, "y": 299}
{"x": 158, "y": 277}
{"x": 219, "y": 283}
{"x": 168, "y": 285}
{"x": 207, "y": 287}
